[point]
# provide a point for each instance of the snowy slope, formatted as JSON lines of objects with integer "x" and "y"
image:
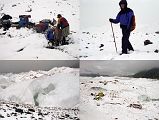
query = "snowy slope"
{"x": 124, "y": 98}
{"x": 33, "y": 43}
{"x": 42, "y": 88}
{"x": 93, "y": 40}
{"x": 96, "y": 38}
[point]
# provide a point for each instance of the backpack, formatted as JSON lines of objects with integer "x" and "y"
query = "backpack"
{"x": 58, "y": 34}
{"x": 47, "y": 21}
{"x": 133, "y": 23}
{"x": 41, "y": 27}
{"x": 24, "y": 20}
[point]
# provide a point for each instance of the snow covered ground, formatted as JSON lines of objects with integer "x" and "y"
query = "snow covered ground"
{"x": 98, "y": 44}
{"x": 14, "y": 111}
{"x": 31, "y": 43}
{"x": 58, "y": 87}
{"x": 96, "y": 38}
{"x": 124, "y": 98}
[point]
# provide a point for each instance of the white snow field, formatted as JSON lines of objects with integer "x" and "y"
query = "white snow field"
{"x": 32, "y": 44}
{"x": 56, "y": 89}
{"x": 45, "y": 88}
{"x": 124, "y": 98}
{"x": 96, "y": 38}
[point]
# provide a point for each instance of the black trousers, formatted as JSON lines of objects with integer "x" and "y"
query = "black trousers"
{"x": 126, "y": 45}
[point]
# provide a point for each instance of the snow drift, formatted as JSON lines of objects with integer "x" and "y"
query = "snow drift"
{"x": 58, "y": 87}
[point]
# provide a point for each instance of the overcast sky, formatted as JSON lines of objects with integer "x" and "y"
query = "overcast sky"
{"x": 95, "y": 13}
{"x": 117, "y": 67}
{"x": 107, "y": 67}
{"x": 17, "y": 66}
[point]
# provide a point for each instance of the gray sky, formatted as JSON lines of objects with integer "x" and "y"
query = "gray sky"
{"x": 17, "y": 66}
{"x": 108, "y": 67}
{"x": 117, "y": 67}
{"x": 95, "y": 13}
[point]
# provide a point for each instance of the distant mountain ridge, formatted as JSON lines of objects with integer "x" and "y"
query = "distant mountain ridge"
{"x": 92, "y": 75}
{"x": 152, "y": 73}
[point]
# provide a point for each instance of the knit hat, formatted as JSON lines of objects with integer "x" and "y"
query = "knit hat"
{"x": 59, "y": 15}
{"x": 123, "y": 2}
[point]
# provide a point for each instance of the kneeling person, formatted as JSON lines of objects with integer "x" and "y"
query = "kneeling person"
{"x": 50, "y": 36}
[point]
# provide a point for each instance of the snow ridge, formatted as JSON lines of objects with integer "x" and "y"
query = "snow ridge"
{"x": 42, "y": 88}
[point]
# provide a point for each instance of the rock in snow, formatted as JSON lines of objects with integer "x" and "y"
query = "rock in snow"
{"x": 9, "y": 111}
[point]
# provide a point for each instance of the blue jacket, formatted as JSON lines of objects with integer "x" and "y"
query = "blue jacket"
{"x": 50, "y": 35}
{"x": 124, "y": 17}
{"x": 23, "y": 22}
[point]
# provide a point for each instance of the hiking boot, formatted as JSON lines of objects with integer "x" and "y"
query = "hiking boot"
{"x": 64, "y": 41}
{"x": 57, "y": 44}
{"x": 4, "y": 29}
{"x": 131, "y": 49}
{"x": 123, "y": 53}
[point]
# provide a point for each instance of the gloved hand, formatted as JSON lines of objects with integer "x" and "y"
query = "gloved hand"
{"x": 110, "y": 19}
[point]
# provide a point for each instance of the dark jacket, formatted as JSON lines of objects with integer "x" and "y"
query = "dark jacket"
{"x": 124, "y": 17}
{"x": 6, "y": 17}
{"x": 62, "y": 23}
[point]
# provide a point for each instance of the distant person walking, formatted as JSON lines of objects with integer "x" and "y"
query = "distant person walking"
{"x": 64, "y": 26}
{"x": 126, "y": 19}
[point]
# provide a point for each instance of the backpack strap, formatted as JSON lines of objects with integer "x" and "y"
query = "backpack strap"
{"x": 133, "y": 23}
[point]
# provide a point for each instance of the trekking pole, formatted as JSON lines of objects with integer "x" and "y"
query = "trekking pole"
{"x": 113, "y": 36}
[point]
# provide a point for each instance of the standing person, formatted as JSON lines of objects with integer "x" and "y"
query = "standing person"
{"x": 64, "y": 26}
{"x": 6, "y": 23}
{"x": 126, "y": 19}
